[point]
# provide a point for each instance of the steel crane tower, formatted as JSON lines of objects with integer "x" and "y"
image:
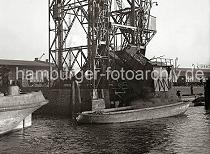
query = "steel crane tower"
{"x": 105, "y": 28}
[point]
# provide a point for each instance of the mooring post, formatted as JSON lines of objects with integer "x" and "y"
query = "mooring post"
{"x": 207, "y": 95}
{"x": 23, "y": 123}
{"x": 73, "y": 98}
{"x": 191, "y": 89}
{"x": 78, "y": 96}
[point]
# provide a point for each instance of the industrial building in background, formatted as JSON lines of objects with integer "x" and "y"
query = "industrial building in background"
{"x": 25, "y": 73}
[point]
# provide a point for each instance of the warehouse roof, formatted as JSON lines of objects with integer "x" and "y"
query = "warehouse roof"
{"x": 6, "y": 62}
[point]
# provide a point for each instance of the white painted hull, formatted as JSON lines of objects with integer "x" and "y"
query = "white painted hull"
{"x": 14, "y": 109}
{"x": 128, "y": 115}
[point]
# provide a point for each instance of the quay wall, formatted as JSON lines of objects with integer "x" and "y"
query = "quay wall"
{"x": 185, "y": 90}
{"x": 60, "y": 103}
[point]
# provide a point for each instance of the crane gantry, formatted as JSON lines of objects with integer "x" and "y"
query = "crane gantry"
{"x": 109, "y": 26}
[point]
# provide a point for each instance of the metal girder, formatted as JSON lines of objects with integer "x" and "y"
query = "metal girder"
{"x": 64, "y": 15}
{"x": 98, "y": 40}
{"x": 136, "y": 15}
{"x": 94, "y": 17}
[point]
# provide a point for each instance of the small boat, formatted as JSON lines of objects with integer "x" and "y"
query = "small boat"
{"x": 14, "y": 109}
{"x": 199, "y": 101}
{"x": 189, "y": 98}
{"x": 196, "y": 100}
{"x": 131, "y": 113}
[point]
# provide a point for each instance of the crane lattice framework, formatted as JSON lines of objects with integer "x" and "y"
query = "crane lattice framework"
{"x": 133, "y": 24}
{"x": 105, "y": 27}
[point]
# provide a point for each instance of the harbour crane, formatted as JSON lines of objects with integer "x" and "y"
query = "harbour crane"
{"x": 110, "y": 32}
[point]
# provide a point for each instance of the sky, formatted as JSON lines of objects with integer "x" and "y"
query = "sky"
{"x": 183, "y": 30}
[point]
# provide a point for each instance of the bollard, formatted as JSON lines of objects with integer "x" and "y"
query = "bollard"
{"x": 207, "y": 95}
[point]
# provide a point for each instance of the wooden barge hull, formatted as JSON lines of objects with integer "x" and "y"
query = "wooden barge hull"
{"x": 127, "y": 114}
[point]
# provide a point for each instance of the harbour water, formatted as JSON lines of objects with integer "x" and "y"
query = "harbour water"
{"x": 189, "y": 133}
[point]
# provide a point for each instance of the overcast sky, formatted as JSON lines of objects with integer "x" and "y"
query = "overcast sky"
{"x": 183, "y": 30}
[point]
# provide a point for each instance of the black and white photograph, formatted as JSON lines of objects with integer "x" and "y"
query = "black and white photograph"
{"x": 104, "y": 76}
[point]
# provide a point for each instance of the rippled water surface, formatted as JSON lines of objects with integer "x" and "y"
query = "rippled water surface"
{"x": 184, "y": 134}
